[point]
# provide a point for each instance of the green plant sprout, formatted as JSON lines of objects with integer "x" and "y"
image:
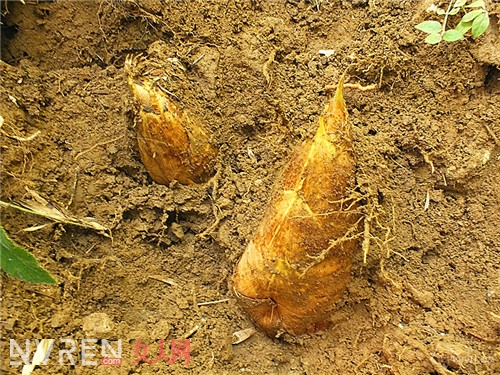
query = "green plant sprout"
{"x": 19, "y": 263}
{"x": 475, "y": 19}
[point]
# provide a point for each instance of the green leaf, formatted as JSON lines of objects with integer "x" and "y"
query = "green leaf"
{"x": 429, "y": 27}
{"x": 480, "y": 24}
{"x": 476, "y": 4}
{"x": 454, "y": 11}
{"x": 463, "y": 27}
{"x": 471, "y": 15}
{"x": 433, "y": 38}
{"x": 452, "y": 35}
{"x": 459, "y": 3}
{"x": 440, "y": 11}
{"x": 19, "y": 263}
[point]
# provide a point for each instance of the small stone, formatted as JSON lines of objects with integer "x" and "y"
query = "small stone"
{"x": 58, "y": 320}
{"x": 8, "y": 324}
{"x": 182, "y": 303}
{"x": 97, "y": 323}
{"x": 359, "y": 3}
{"x": 161, "y": 329}
{"x": 455, "y": 355}
{"x": 423, "y": 298}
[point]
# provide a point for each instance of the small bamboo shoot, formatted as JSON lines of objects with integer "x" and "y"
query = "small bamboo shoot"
{"x": 171, "y": 144}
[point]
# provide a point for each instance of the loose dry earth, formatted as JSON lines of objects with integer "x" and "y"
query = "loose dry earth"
{"x": 426, "y": 301}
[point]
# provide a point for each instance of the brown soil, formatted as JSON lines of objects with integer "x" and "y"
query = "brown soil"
{"x": 428, "y": 160}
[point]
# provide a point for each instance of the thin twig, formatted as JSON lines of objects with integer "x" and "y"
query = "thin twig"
{"x": 22, "y": 139}
{"x": 10, "y": 205}
{"x": 485, "y": 339}
{"x": 168, "y": 92}
{"x": 99, "y": 12}
{"x": 356, "y": 86}
{"x": 363, "y": 362}
{"x": 366, "y": 235}
{"x": 212, "y": 302}
{"x": 192, "y": 331}
{"x": 493, "y": 135}
{"x": 59, "y": 217}
{"x": 198, "y": 59}
{"x": 214, "y": 181}
{"x": 73, "y": 190}
{"x": 165, "y": 280}
{"x": 17, "y": 138}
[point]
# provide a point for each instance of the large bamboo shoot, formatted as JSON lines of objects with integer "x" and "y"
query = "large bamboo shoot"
{"x": 299, "y": 262}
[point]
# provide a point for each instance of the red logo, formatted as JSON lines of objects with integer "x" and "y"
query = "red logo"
{"x": 179, "y": 349}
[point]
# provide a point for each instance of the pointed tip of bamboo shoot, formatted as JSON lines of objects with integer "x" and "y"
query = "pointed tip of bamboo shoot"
{"x": 337, "y": 102}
